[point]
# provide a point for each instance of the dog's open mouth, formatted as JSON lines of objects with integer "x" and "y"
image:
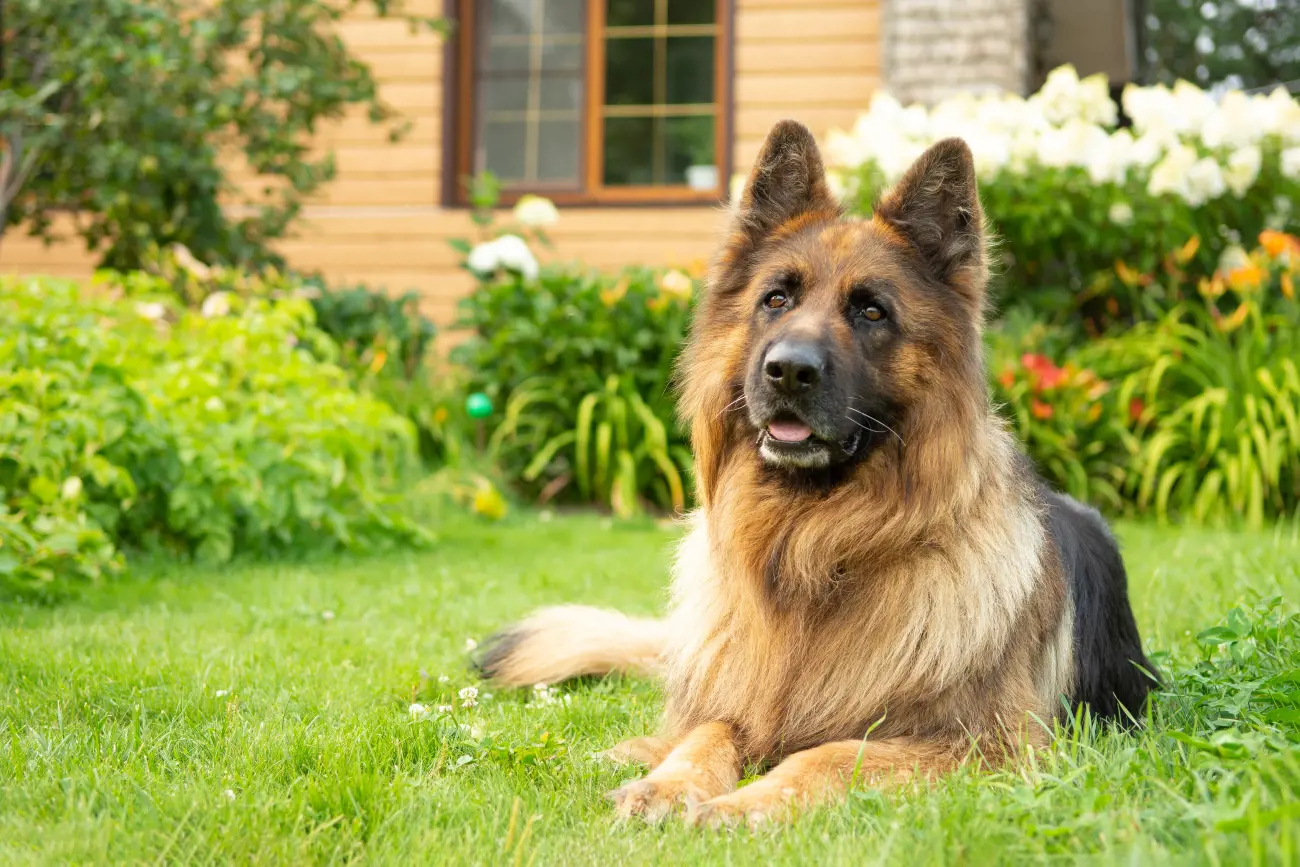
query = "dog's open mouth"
{"x": 790, "y": 441}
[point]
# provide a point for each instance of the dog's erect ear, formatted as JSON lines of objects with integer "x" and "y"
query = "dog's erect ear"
{"x": 787, "y": 181}
{"x": 936, "y": 207}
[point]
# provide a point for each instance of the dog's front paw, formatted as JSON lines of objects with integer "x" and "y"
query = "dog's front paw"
{"x": 653, "y": 799}
{"x": 755, "y": 805}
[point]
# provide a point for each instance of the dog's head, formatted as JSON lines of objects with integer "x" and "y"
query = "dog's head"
{"x": 824, "y": 340}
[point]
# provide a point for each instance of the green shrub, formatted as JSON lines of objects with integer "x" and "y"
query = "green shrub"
{"x": 133, "y": 422}
{"x": 1214, "y": 389}
{"x": 545, "y": 351}
{"x": 374, "y": 330}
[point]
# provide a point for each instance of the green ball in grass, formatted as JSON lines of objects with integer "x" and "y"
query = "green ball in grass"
{"x": 478, "y": 405}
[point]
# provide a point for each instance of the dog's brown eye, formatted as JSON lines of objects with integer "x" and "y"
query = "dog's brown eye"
{"x": 776, "y": 300}
{"x": 873, "y": 313}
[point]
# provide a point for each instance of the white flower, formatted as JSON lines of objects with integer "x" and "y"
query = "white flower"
{"x": 545, "y": 516}
{"x": 1109, "y": 160}
{"x": 442, "y": 678}
{"x": 509, "y": 252}
{"x": 327, "y": 615}
{"x": 470, "y": 644}
{"x": 1170, "y": 174}
{"x": 1233, "y": 123}
{"x": 1120, "y": 213}
{"x": 1071, "y": 145}
{"x": 445, "y": 708}
{"x": 469, "y": 697}
{"x": 151, "y": 310}
{"x": 1149, "y": 147}
{"x": 71, "y": 488}
{"x": 216, "y": 304}
{"x": 214, "y": 404}
{"x": 228, "y": 794}
{"x": 222, "y": 693}
{"x": 1290, "y": 163}
{"x": 1233, "y": 257}
{"x": 1205, "y": 181}
{"x": 1243, "y": 169}
{"x": 536, "y": 212}
{"x": 418, "y": 711}
{"x": 1059, "y": 94}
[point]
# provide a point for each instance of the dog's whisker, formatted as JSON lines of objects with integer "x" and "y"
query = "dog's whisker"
{"x": 863, "y": 426}
{"x": 733, "y": 405}
{"x": 881, "y": 423}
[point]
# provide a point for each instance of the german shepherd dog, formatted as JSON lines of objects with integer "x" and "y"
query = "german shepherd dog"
{"x": 876, "y": 586}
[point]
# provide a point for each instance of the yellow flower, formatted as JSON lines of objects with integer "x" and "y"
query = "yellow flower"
{"x": 1184, "y": 254}
{"x": 676, "y": 283}
{"x": 1211, "y": 289}
{"x": 1246, "y": 278}
{"x": 1233, "y": 322}
{"x": 1131, "y": 277}
{"x": 440, "y": 415}
{"x": 1276, "y": 243}
{"x": 1288, "y": 290}
{"x": 489, "y": 503}
{"x": 614, "y": 294}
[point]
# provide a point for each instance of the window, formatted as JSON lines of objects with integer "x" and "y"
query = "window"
{"x": 594, "y": 100}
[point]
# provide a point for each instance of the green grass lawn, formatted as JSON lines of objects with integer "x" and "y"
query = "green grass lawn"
{"x": 261, "y": 714}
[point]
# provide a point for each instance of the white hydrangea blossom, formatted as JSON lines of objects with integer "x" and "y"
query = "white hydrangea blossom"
{"x": 1242, "y": 169}
{"x": 536, "y": 212}
{"x": 1183, "y": 142}
{"x": 509, "y": 252}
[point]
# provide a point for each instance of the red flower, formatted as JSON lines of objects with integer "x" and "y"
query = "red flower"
{"x": 1043, "y": 374}
{"x": 1040, "y": 410}
{"x": 1007, "y": 378}
{"x": 1135, "y": 409}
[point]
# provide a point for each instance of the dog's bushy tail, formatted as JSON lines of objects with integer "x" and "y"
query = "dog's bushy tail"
{"x": 567, "y": 641}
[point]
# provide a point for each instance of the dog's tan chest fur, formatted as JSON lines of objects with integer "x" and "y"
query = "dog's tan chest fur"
{"x": 898, "y": 646}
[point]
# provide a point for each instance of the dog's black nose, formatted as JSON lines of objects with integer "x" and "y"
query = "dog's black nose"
{"x": 794, "y": 365}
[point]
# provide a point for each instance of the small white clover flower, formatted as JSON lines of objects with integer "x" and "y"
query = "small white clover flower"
{"x": 327, "y": 615}
{"x": 418, "y": 711}
{"x": 445, "y": 708}
{"x": 442, "y": 678}
{"x": 222, "y": 693}
{"x": 470, "y": 644}
{"x": 228, "y": 794}
{"x": 469, "y": 696}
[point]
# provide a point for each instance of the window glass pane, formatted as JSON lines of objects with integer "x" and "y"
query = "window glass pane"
{"x": 629, "y": 151}
{"x": 692, "y": 11}
{"x": 529, "y": 92}
{"x": 504, "y": 94}
{"x": 690, "y": 70}
{"x": 630, "y": 13}
{"x": 558, "y": 152}
{"x": 509, "y": 17}
{"x": 629, "y": 71}
{"x": 506, "y": 56}
{"x": 565, "y": 16}
{"x": 562, "y": 53}
{"x": 688, "y": 145}
{"x": 561, "y": 93}
{"x": 502, "y": 151}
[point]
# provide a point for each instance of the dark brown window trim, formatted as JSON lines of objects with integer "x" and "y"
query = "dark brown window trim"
{"x": 457, "y": 127}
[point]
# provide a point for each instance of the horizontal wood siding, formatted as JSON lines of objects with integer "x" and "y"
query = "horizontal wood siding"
{"x": 380, "y": 221}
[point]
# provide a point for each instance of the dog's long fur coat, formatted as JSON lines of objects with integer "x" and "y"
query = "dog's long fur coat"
{"x": 876, "y": 583}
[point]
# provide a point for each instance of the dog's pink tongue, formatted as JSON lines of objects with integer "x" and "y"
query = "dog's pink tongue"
{"x": 789, "y": 431}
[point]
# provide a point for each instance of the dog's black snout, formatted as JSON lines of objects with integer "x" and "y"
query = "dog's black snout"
{"x": 794, "y": 366}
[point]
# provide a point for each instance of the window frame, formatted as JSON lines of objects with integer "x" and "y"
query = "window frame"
{"x": 459, "y": 119}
